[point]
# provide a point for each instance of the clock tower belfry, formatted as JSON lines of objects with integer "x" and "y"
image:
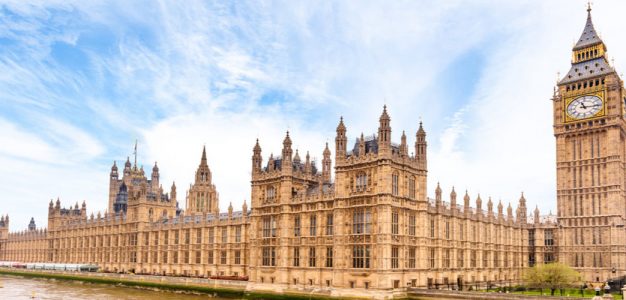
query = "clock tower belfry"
{"x": 590, "y": 131}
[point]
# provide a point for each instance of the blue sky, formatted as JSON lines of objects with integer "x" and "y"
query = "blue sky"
{"x": 81, "y": 80}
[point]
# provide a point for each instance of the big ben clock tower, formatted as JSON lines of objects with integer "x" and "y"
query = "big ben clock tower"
{"x": 590, "y": 131}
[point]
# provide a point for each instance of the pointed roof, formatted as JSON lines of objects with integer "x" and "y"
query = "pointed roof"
{"x": 203, "y": 160}
{"x": 589, "y": 36}
{"x": 326, "y": 150}
{"x": 420, "y": 131}
{"x": 385, "y": 115}
{"x": 341, "y": 127}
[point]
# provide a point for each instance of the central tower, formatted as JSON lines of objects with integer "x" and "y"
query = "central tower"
{"x": 590, "y": 132}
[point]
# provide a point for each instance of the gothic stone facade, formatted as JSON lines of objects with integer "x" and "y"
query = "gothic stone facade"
{"x": 590, "y": 131}
{"x": 371, "y": 226}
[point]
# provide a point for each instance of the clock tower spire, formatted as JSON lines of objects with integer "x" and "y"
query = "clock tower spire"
{"x": 590, "y": 132}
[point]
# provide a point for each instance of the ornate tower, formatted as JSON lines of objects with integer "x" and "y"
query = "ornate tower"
{"x": 203, "y": 197}
{"x": 590, "y": 132}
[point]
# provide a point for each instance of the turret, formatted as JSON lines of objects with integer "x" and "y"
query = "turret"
{"x": 31, "y": 225}
{"x": 509, "y": 212}
{"x": 521, "y": 210}
{"x": 490, "y": 207}
{"x": 536, "y": 217}
{"x": 296, "y": 158}
{"x": 479, "y": 204}
{"x": 287, "y": 153}
{"x": 362, "y": 145}
{"x": 466, "y": 201}
{"x": 438, "y": 195}
{"x": 404, "y": 151}
{"x": 420, "y": 147}
{"x": 453, "y": 199}
{"x": 244, "y": 210}
{"x": 341, "y": 141}
{"x": 127, "y": 166}
{"x": 83, "y": 209}
{"x": 155, "y": 176}
{"x": 270, "y": 163}
{"x": 256, "y": 158}
{"x": 307, "y": 163}
{"x": 114, "y": 174}
{"x": 384, "y": 132}
{"x": 500, "y": 209}
{"x": 326, "y": 165}
{"x": 173, "y": 192}
{"x": 230, "y": 210}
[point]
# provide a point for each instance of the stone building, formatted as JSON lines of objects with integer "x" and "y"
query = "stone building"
{"x": 590, "y": 130}
{"x": 369, "y": 226}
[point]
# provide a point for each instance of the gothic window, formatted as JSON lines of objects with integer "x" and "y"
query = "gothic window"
{"x": 361, "y": 182}
{"x": 361, "y": 256}
{"x": 224, "y": 235}
{"x": 150, "y": 213}
{"x": 412, "y": 187}
{"x": 361, "y": 221}
{"x": 412, "y": 224}
{"x": 296, "y": 257}
{"x": 269, "y": 256}
{"x": 432, "y": 227}
{"x": 412, "y": 258}
{"x": 329, "y": 224}
{"x": 460, "y": 256}
{"x": 394, "y": 184}
{"x": 199, "y": 236}
{"x": 394, "y": 257}
{"x": 237, "y": 257}
{"x": 223, "y": 258}
{"x": 311, "y": 256}
{"x": 211, "y": 235}
{"x": 329, "y": 257}
{"x": 296, "y": 226}
{"x": 394, "y": 222}
{"x": 267, "y": 226}
{"x": 270, "y": 194}
{"x": 210, "y": 257}
{"x": 313, "y": 225}
{"x": 431, "y": 258}
{"x": 549, "y": 241}
{"x": 238, "y": 234}
{"x": 446, "y": 258}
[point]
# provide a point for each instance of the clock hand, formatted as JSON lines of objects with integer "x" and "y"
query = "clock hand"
{"x": 583, "y": 105}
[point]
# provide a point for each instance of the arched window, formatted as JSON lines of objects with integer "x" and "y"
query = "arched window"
{"x": 394, "y": 184}
{"x": 412, "y": 187}
{"x": 150, "y": 213}
{"x": 361, "y": 182}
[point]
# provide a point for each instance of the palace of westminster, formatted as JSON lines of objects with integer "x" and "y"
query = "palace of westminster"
{"x": 371, "y": 225}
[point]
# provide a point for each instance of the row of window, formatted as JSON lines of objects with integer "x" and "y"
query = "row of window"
{"x": 132, "y": 239}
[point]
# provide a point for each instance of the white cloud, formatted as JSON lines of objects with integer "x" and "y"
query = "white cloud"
{"x": 194, "y": 74}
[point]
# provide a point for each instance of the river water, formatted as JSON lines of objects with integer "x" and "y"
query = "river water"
{"x": 22, "y": 289}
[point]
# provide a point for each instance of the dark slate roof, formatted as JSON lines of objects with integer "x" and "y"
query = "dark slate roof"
{"x": 589, "y": 36}
{"x": 588, "y": 69}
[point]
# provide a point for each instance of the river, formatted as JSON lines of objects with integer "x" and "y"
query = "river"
{"x": 17, "y": 288}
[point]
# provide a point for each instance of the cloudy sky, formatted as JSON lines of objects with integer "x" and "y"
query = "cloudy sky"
{"x": 79, "y": 82}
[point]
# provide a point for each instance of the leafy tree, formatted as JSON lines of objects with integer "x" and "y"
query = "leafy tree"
{"x": 552, "y": 276}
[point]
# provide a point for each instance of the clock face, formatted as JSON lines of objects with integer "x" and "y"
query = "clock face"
{"x": 584, "y": 107}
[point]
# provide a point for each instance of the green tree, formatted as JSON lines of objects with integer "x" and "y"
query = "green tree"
{"x": 552, "y": 276}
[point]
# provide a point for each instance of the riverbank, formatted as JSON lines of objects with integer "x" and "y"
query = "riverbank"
{"x": 220, "y": 288}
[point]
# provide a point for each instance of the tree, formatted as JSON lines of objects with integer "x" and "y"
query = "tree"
{"x": 552, "y": 276}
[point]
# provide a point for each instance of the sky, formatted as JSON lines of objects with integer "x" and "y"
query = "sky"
{"x": 80, "y": 81}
